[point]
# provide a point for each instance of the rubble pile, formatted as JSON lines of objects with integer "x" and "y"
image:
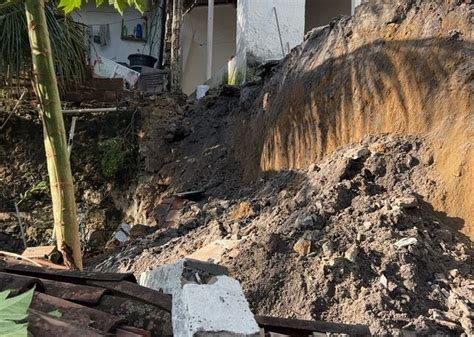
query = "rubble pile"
{"x": 350, "y": 239}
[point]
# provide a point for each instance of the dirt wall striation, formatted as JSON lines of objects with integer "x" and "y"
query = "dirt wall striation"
{"x": 403, "y": 69}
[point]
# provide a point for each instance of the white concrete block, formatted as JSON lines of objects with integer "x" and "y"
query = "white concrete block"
{"x": 206, "y": 302}
{"x": 216, "y": 309}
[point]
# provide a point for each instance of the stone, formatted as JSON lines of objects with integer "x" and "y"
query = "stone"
{"x": 405, "y": 242}
{"x": 314, "y": 168}
{"x": 467, "y": 325}
{"x": 358, "y": 153}
{"x": 367, "y": 225}
{"x": 406, "y": 202}
{"x": 302, "y": 247}
{"x": 308, "y": 221}
{"x": 312, "y": 235}
{"x": 390, "y": 286}
{"x": 328, "y": 249}
{"x": 351, "y": 253}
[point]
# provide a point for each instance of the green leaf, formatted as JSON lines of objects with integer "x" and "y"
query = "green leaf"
{"x": 6, "y": 3}
{"x": 4, "y": 294}
{"x": 12, "y": 310}
{"x": 15, "y": 308}
{"x": 13, "y": 329}
{"x": 55, "y": 313}
{"x": 70, "y": 5}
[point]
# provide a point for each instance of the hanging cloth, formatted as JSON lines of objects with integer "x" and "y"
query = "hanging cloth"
{"x": 104, "y": 34}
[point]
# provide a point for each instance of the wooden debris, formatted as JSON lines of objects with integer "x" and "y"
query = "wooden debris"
{"x": 42, "y": 324}
{"x": 19, "y": 284}
{"x": 295, "y": 327}
{"x": 76, "y": 313}
{"x": 68, "y": 275}
{"x": 41, "y": 252}
{"x": 137, "y": 292}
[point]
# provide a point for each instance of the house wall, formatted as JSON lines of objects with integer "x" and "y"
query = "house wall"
{"x": 257, "y": 32}
{"x": 194, "y": 43}
{"x": 321, "y": 12}
{"x": 116, "y": 48}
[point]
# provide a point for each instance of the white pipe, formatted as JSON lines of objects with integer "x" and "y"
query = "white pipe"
{"x": 71, "y": 111}
{"x": 210, "y": 37}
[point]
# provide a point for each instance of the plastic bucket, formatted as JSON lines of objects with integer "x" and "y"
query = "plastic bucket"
{"x": 142, "y": 60}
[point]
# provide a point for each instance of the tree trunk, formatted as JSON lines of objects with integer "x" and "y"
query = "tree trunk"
{"x": 59, "y": 168}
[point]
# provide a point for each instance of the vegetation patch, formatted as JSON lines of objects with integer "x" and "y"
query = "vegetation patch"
{"x": 115, "y": 156}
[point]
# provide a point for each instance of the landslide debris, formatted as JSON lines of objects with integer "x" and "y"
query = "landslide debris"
{"x": 349, "y": 239}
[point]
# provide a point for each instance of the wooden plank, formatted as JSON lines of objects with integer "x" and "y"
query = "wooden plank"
{"x": 73, "y": 292}
{"x": 19, "y": 283}
{"x": 41, "y": 252}
{"x": 135, "y": 291}
{"x": 131, "y": 331}
{"x": 286, "y": 326}
{"x": 67, "y": 275}
{"x": 41, "y": 324}
{"x": 75, "y": 313}
{"x": 141, "y": 315}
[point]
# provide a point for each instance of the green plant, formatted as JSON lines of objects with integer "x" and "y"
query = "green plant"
{"x": 13, "y": 311}
{"x": 115, "y": 156}
{"x": 68, "y": 42}
{"x": 41, "y": 186}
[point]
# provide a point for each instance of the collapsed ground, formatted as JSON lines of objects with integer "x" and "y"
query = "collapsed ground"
{"x": 358, "y": 228}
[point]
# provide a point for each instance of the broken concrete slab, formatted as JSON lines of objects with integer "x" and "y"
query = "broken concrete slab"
{"x": 215, "y": 309}
{"x": 171, "y": 278}
{"x": 204, "y": 299}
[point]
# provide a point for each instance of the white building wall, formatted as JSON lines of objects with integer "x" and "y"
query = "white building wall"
{"x": 194, "y": 44}
{"x": 116, "y": 48}
{"x": 257, "y": 32}
{"x": 355, "y": 3}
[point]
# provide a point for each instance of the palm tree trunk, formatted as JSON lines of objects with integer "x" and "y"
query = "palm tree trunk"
{"x": 59, "y": 168}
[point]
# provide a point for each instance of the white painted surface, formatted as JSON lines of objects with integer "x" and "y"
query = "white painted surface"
{"x": 116, "y": 49}
{"x": 220, "y": 307}
{"x": 105, "y": 68}
{"x": 355, "y": 3}
{"x": 194, "y": 43}
{"x": 210, "y": 37}
{"x": 257, "y": 32}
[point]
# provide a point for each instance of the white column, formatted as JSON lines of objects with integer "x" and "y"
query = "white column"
{"x": 210, "y": 37}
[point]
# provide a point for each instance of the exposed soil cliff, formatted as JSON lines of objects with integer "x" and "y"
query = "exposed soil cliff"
{"x": 405, "y": 69}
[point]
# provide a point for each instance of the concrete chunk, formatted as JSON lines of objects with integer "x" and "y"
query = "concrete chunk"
{"x": 206, "y": 302}
{"x": 171, "y": 277}
{"x": 218, "y": 309}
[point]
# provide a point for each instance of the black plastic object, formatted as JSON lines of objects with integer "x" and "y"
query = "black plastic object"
{"x": 142, "y": 60}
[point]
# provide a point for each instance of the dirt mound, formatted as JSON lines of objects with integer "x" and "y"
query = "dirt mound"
{"x": 402, "y": 67}
{"x": 350, "y": 239}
